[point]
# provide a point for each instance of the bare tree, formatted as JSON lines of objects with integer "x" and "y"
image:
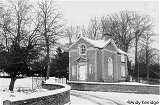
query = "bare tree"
{"x": 16, "y": 36}
{"x": 126, "y": 27}
{"x": 50, "y": 26}
{"x": 74, "y": 32}
{"x": 147, "y": 56}
{"x": 147, "y": 39}
{"x": 120, "y": 27}
{"x": 141, "y": 25}
{"x": 94, "y": 29}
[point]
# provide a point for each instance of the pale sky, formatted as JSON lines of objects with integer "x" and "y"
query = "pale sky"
{"x": 78, "y": 12}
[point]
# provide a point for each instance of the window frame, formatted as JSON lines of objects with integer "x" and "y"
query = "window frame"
{"x": 90, "y": 69}
{"x": 80, "y": 49}
{"x": 74, "y": 71}
{"x": 123, "y": 71}
{"x": 110, "y": 61}
{"x": 122, "y": 58}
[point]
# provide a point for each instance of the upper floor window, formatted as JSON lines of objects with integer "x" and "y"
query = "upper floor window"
{"x": 122, "y": 58}
{"x": 109, "y": 60}
{"x": 82, "y": 49}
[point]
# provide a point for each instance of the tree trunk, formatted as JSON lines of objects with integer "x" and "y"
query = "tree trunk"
{"x": 136, "y": 63}
{"x": 147, "y": 60}
{"x": 11, "y": 86}
{"x": 48, "y": 59}
{"x": 48, "y": 70}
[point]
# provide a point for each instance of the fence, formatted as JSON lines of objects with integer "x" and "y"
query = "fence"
{"x": 152, "y": 81}
{"x": 57, "y": 80}
{"x": 37, "y": 81}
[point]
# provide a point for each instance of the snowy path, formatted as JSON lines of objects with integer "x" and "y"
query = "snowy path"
{"x": 118, "y": 98}
{"x": 80, "y": 101}
{"x": 96, "y": 100}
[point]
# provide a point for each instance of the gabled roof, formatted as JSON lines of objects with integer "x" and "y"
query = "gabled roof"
{"x": 99, "y": 44}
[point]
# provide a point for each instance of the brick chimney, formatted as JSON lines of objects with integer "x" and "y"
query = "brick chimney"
{"x": 106, "y": 36}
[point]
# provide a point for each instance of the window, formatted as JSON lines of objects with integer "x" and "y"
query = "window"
{"x": 122, "y": 71}
{"x": 110, "y": 67}
{"x": 74, "y": 70}
{"x": 82, "y": 49}
{"x": 90, "y": 69}
{"x": 122, "y": 58}
{"x": 109, "y": 60}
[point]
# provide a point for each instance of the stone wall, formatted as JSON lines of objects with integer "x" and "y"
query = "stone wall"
{"x": 115, "y": 87}
{"x": 59, "y": 95}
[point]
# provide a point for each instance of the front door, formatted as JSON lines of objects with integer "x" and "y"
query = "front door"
{"x": 82, "y": 72}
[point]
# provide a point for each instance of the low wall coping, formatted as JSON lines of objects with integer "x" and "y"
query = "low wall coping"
{"x": 43, "y": 94}
{"x": 121, "y": 83}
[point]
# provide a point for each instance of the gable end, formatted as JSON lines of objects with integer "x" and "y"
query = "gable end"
{"x": 110, "y": 47}
{"x": 81, "y": 40}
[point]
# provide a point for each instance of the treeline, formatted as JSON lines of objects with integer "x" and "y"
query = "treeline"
{"x": 132, "y": 32}
{"x": 29, "y": 34}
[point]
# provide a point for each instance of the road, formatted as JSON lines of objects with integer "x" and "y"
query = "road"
{"x": 78, "y": 98}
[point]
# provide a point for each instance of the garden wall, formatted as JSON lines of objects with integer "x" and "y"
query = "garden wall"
{"x": 115, "y": 87}
{"x": 59, "y": 95}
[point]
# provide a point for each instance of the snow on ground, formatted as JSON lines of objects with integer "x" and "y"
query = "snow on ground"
{"x": 22, "y": 89}
{"x": 121, "y": 98}
{"x": 80, "y": 101}
{"x": 21, "y": 82}
{"x": 124, "y": 98}
{"x": 26, "y": 83}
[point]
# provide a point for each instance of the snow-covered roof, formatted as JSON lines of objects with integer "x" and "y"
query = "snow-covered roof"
{"x": 97, "y": 43}
{"x": 120, "y": 51}
{"x": 100, "y": 44}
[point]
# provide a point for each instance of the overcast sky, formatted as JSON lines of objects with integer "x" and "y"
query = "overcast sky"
{"x": 79, "y": 12}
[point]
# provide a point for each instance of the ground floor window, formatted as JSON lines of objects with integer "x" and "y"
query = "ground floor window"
{"x": 74, "y": 69}
{"x": 90, "y": 69}
{"x": 110, "y": 67}
{"x": 122, "y": 71}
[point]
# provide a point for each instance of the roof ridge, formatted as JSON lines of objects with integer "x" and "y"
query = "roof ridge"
{"x": 100, "y": 43}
